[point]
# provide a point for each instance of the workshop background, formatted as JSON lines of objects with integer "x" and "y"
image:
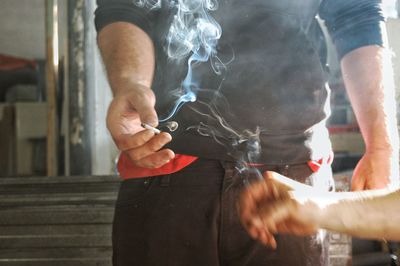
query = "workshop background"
{"x": 58, "y": 181}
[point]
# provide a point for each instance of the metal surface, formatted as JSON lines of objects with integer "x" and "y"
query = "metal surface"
{"x": 51, "y": 85}
{"x": 79, "y": 145}
{"x": 398, "y": 8}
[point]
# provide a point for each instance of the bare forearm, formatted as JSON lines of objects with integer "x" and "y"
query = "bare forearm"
{"x": 286, "y": 206}
{"x": 368, "y": 77}
{"x": 369, "y": 214}
{"x": 128, "y": 54}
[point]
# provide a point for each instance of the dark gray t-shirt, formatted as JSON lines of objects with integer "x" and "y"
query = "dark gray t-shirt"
{"x": 264, "y": 81}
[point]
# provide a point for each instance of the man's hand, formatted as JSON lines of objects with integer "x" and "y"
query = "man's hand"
{"x": 128, "y": 54}
{"x": 129, "y": 108}
{"x": 267, "y": 207}
{"x": 374, "y": 171}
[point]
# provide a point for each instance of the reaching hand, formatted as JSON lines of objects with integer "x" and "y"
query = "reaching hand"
{"x": 267, "y": 207}
{"x": 129, "y": 108}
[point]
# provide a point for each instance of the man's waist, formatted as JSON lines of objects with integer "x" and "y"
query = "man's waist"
{"x": 290, "y": 149}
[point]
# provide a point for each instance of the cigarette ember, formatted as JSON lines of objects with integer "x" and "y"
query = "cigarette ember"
{"x": 155, "y": 130}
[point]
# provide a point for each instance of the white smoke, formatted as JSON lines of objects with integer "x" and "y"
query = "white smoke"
{"x": 194, "y": 33}
{"x": 148, "y": 4}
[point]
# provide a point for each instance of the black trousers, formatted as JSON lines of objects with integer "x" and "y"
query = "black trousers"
{"x": 189, "y": 218}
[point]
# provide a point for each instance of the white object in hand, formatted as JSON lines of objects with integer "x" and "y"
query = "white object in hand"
{"x": 155, "y": 130}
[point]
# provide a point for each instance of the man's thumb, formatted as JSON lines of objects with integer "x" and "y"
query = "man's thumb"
{"x": 148, "y": 116}
{"x": 357, "y": 184}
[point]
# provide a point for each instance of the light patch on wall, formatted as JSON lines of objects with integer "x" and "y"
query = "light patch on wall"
{"x": 390, "y": 8}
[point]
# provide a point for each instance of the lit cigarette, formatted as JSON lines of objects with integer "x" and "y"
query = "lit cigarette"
{"x": 155, "y": 130}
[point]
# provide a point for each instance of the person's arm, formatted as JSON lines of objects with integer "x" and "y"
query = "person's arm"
{"x": 362, "y": 214}
{"x": 358, "y": 31}
{"x": 368, "y": 78}
{"x": 128, "y": 54}
{"x": 281, "y": 205}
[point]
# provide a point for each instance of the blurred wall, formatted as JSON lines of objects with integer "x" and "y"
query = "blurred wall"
{"x": 22, "y": 28}
{"x": 103, "y": 150}
{"x": 393, "y": 28}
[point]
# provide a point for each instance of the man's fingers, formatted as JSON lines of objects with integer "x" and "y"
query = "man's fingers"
{"x": 261, "y": 190}
{"x": 253, "y": 199}
{"x": 148, "y": 116}
{"x": 245, "y": 205}
{"x": 281, "y": 182}
{"x": 270, "y": 224}
{"x": 380, "y": 183}
{"x": 272, "y": 243}
{"x": 144, "y": 142}
{"x": 248, "y": 206}
{"x": 277, "y": 210}
{"x": 144, "y": 106}
{"x": 248, "y": 201}
{"x": 283, "y": 228}
{"x": 155, "y": 160}
{"x": 266, "y": 237}
{"x": 153, "y": 145}
{"x": 254, "y": 232}
{"x": 144, "y": 148}
{"x": 127, "y": 142}
{"x": 357, "y": 184}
